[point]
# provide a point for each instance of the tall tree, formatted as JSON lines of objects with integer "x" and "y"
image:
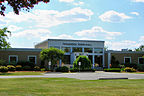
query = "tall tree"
{"x": 52, "y": 54}
{"x": 140, "y": 48}
{"x": 3, "y": 36}
{"x": 17, "y": 5}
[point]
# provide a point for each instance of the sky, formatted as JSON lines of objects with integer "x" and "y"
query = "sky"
{"x": 120, "y": 23}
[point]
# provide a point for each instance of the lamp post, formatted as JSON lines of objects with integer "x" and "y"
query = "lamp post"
{"x": 79, "y": 65}
{"x": 49, "y": 64}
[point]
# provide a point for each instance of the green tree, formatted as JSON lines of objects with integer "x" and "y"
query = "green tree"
{"x": 85, "y": 63}
{"x": 3, "y": 37}
{"x": 52, "y": 54}
{"x": 140, "y": 48}
{"x": 17, "y": 5}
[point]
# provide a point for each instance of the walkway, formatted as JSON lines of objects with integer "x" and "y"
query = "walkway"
{"x": 83, "y": 76}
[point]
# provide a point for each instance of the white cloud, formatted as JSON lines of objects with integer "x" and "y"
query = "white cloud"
{"x": 68, "y": 1}
{"x": 13, "y": 28}
{"x": 135, "y": 13}
{"x": 113, "y": 16}
{"x": 74, "y": 2}
{"x": 122, "y": 45}
{"x": 141, "y": 38}
{"x": 138, "y": 1}
{"x": 31, "y": 33}
{"x": 49, "y": 18}
{"x": 98, "y": 32}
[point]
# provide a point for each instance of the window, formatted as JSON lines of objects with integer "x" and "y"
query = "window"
{"x": 13, "y": 58}
{"x": 32, "y": 59}
{"x": 89, "y": 50}
{"x": 127, "y": 59}
{"x": 141, "y": 60}
{"x": 77, "y": 49}
{"x": 66, "y": 49}
{"x": 98, "y": 50}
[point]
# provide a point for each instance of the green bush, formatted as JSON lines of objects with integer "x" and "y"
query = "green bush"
{"x": 19, "y": 68}
{"x": 62, "y": 69}
{"x": 12, "y": 63}
{"x": 2, "y": 63}
{"x": 140, "y": 67}
{"x": 11, "y": 68}
{"x": 27, "y": 68}
{"x": 88, "y": 70}
{"x": 26, "y": 63}
{"x": 36, "y": 68}
{"x": 113, "y": 70}
{"x": 131, "y": 65}
{"x": 85, "y": 63}
{"x": 42, "y": 69}
{"x": 128, "y": 69}
{"x": 3, "y": 69}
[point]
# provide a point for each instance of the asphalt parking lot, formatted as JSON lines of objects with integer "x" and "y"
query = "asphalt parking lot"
{"x": 84, "y": 75}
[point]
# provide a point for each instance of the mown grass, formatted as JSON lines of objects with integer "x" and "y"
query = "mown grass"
{"x": 21, "y": 73}
{"x": 70, "y": 87}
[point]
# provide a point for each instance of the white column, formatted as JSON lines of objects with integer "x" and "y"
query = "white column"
{"x": 109, "y": 59}
{"x": 82, "y": 50}
{"x": 60, "y": 62}
{"x": 93, "y": 60}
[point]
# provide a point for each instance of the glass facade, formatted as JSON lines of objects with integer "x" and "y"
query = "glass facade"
{"x": 75, "y": 49}
{"x": 66, "y": 49}
{"x": 89, "y": 50}
{"x": 66, "y": 59}
{"x": 98, "y": 50}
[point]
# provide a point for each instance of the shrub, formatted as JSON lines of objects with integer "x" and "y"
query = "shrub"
{"x": 140, "y": 67}
{"x": 27, "y": 68}
{"x": 2, "y": 63}
{"x": 36, "y": 68}
{"x": 113, "y": 70}
{"x": 42, "y": 69}
{"x": 131, "y": 65}
{"x": 128, "y": 69}
{"x": 26, "y": 63}
{"x": 3, "y": 69}
{"x": 88, "y": 70}
{"x": 85, "y": 63}
{"x": 62, "y": 69}
{"x": 11, "y": 68}
{"x": 12, "y": 63}
{"x": 19, "y": 68}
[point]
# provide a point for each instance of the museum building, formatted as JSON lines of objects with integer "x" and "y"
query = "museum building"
{"x": 94, "y": 50}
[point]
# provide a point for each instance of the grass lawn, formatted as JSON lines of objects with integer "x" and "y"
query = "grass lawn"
{"x": 70, "y": 87}
{"x": 21, "y": 73}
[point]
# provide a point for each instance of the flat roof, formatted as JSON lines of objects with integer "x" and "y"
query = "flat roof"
{"x": 21, "y": 49}
{"x": 73, "y": 40}
{"x": 140, "y": 52}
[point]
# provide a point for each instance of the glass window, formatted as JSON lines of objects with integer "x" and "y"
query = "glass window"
{"x": 32, "y": 59}
{"x": 66, "y": 59}
{"x": 66, "y": 49}
{"x": 89, "y": 50}
{"x": 55, "y": 47}
{"x": 77, "y": 49}
{"x": 141, "y": 60}
{"x": 98, "y": 50}
{"x": 13, "y": 58}
{"x": 127, "y": 60}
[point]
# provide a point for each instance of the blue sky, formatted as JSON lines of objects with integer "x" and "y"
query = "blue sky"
{"x": 120, "y": 23}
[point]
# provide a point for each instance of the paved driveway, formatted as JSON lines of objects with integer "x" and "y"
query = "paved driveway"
{"x": 83, "y": 76}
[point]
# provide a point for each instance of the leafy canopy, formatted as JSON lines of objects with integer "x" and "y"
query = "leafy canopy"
{"x": 17, "y": 5}
{"x": 52, "y": 54}
{"x": 3, "y": 37}
{"x": 85, "y": 63}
